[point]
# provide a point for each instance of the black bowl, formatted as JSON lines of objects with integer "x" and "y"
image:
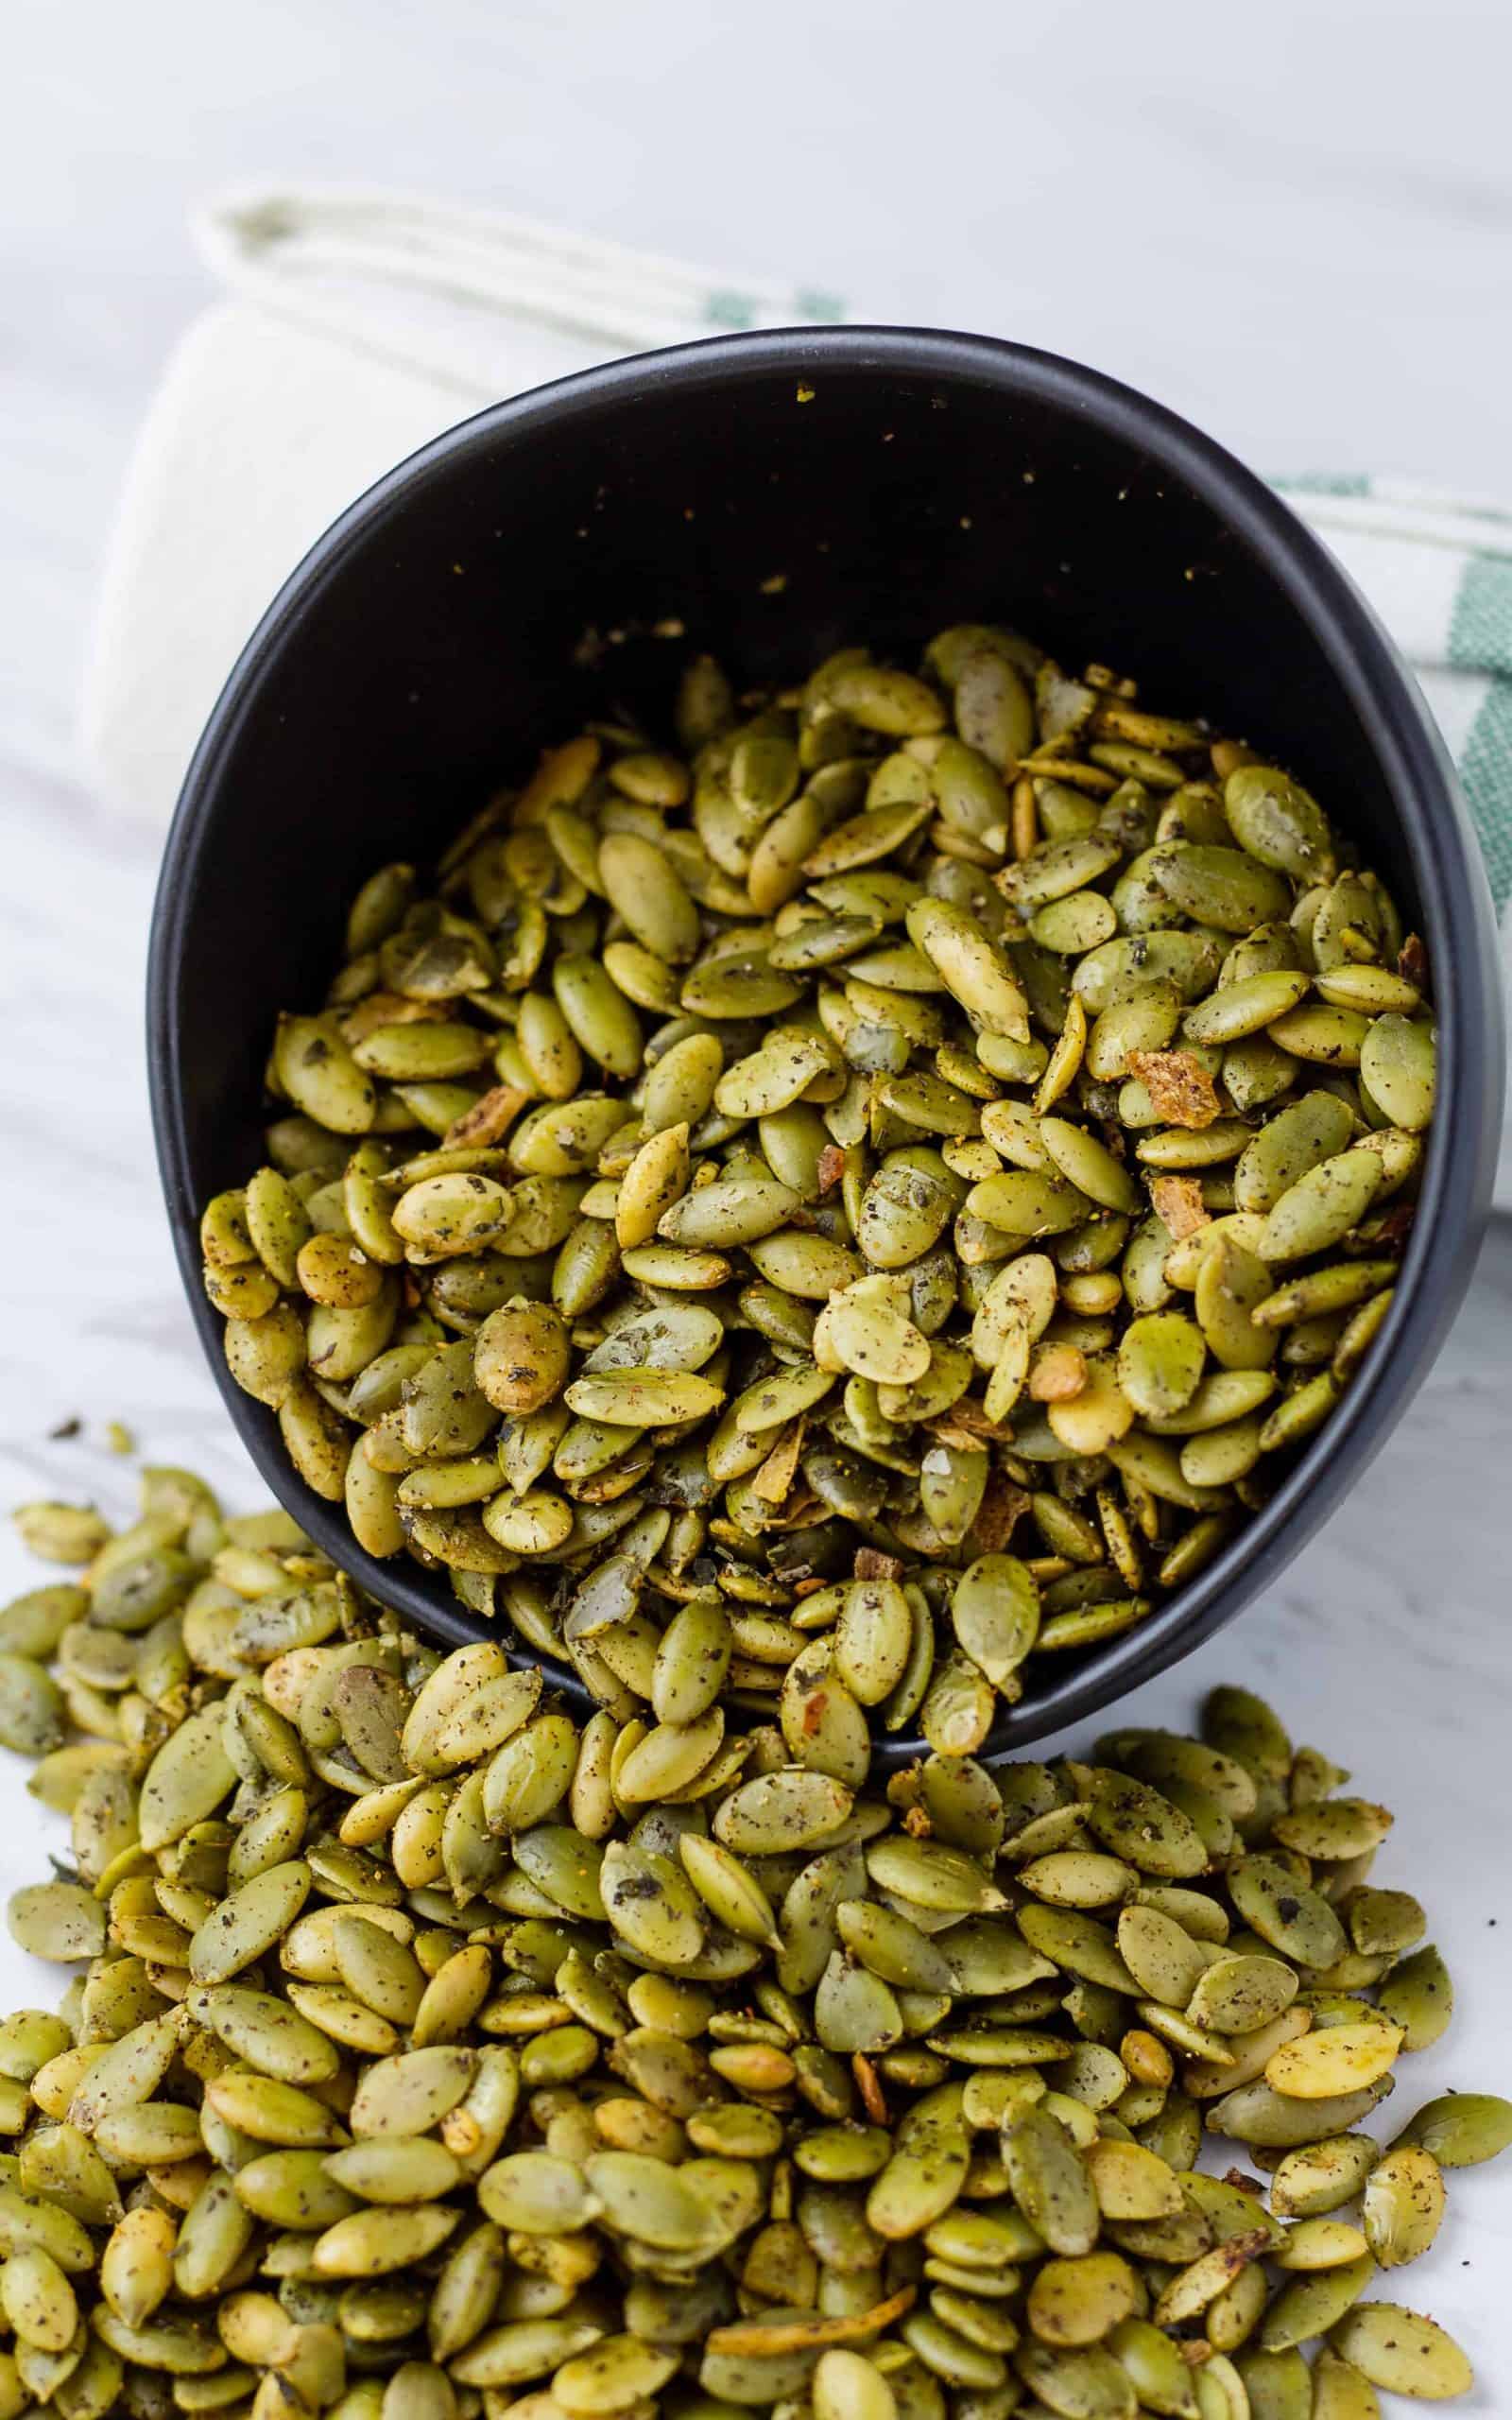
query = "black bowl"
{"x": 774, "y": 496}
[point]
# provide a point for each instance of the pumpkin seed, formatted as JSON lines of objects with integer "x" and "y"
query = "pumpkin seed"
{"x": 1312, "y": 2304}
{"x": 57, "y": 1921}
{"x": 1085, "y": 2381}
{"x": 1403, "y": 2205}
{"x": 422, "y": 2118}
{"x": 1319, "y": 1211}
{"x": 1161, "y": 1363}
{"x": 531, "y": 1281}
{"x": 1051, "y": 2183}
{"x": 1418, "y": 1996}
{"x": 1290, "y": 1916}
{"x": 1461, "y": 2128}
{"x": 1301, "y": 1136}
{"x": 1397, "y": 1070}
{"x": 913, "y": 874}
{"x": 1403, "y": 2352}
{"x": 1229, "y": 887}
{"x": 1342, "y": 2059}
{"x": 846, "y": 2386}
{"x": 1256, "y": 2113}
{"x": 1166, "y": 1964}
{"x": 1341, "y": 2391}
{"x": 1275, "y": 820}
{"x": 1322, "y": 2177}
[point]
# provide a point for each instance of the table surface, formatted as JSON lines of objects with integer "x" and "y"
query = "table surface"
{"x": 1294, "y": 227}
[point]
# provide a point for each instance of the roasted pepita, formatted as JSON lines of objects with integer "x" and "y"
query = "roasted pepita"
{"x": 815, "y": 1021}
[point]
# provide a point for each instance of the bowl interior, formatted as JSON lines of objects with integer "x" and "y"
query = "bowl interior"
{"x": 768, "y": 499}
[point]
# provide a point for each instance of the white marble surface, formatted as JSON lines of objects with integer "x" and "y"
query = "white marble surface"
{"x": 1293, "y": 224}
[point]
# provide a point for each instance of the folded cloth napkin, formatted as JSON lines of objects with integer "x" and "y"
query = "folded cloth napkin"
{"x": 357, "y": 325}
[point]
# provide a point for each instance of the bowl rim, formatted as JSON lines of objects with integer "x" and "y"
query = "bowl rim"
{"x": 1416, "y": 777}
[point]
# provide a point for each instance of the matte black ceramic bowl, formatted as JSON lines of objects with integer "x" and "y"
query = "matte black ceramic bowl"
{"x": 897, "y": 480}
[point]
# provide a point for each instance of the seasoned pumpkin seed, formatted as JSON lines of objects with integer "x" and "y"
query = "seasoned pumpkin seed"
{"x": 433, "y": 2123}
{"x": 1403, "y": 2352}
{"x": 835, "y": 989}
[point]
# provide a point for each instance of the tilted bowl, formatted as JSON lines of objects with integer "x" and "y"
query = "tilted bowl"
{"x": 774, "y": 496}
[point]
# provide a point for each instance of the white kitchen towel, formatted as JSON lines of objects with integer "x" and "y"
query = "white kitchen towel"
{"x": 357, "y": 325}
